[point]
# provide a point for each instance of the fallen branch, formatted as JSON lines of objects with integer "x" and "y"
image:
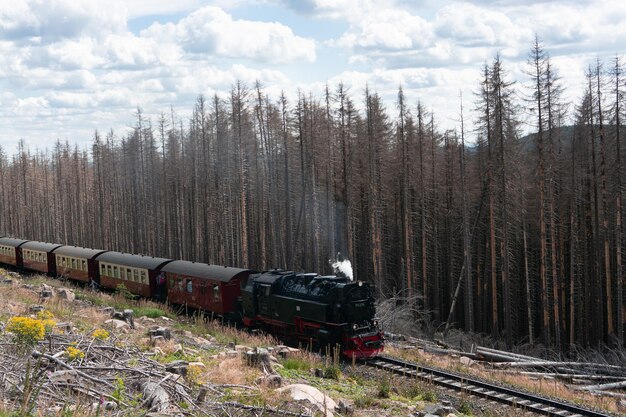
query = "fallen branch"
{"x": 59, "y": 362}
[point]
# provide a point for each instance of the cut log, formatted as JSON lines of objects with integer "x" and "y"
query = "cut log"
{"x": 598, "y": 366}
{"x": 501, "y": 356}
{"x": 564, "y": 376}
{"x": 602, "y": 387}
{"x": 155, "y": 397}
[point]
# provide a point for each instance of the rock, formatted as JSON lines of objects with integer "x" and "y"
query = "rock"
{"x": 107, "y": 310}
{"x": 147, "y": 319}
{"x": 231, "y": 345}
{"x": 465, "y": 361}
{"x": 63, "y": 377}
{"x": 198, "y": 364}
{"x": 201, "y": 342}
{"x": 319, "y": 373}
{"x": 344, "y": 407}
{"x": 242, "y": 348}
{"x": 117, "y": 324}
{"x": 303, "y": 392}
{"x": 36, "y": 308}
{"x": 165, "y": 318}
{"x": 66, "y": 294}
{"x": 621, "y": 406}
{"x": 436, "y": 409}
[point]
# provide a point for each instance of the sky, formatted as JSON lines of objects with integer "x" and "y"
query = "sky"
{"x": 69, "y": 67}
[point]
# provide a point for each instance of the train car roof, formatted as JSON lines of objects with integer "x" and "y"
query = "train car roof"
{"x": 132, "y": 260}
{"x": 206, "y": 271}
{"x": 41, "y": 246}
{"x": 78, "y": 252}
{"x": 10, "y": 241}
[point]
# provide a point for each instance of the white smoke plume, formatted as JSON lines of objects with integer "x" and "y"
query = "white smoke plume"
{"x": 343, "y": 268}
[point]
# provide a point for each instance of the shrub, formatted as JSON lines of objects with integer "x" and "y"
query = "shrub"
{"x": 118, "y": 392}
{"x": 27, "y": 331}
{"x": 384, "y": 388}
{"x": 124, "y": 292}
{"x": 194, "y": 374}
{"x": 429, "y": 396}
{"x": 465, "y": 408}
{"x": 47, "y": 319}
{"x": 332, "y": 372}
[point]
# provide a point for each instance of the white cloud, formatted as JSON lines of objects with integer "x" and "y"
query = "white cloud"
{"x": 130, "y": 51}
{"x": 65, "y": 55}
{"x": 73, "y": 65}
{"x": 52, "y": 20}
{"x": 30, "y": 106}
{"x": 470, "y": 25}
{"x": 388, "y": 29}
{"x": 137, "y": 8}
{"x": 210, "y": 30}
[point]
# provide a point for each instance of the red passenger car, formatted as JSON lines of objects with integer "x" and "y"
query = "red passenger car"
{"x": 39, "y": 256}
{"x": 141, "y": 275}
{"x": 77, "y": 263}
{"x": 11, "y": 251}
{"x": 208, "y": 287}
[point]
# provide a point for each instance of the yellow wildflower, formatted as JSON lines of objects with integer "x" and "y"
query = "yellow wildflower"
{"x": 27, "y": 331}
{"x": 74, "y": 353}
{"x": 100, "y": 334}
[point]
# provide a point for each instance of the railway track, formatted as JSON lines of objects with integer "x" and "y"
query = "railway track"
{"x": 513, "y": 398}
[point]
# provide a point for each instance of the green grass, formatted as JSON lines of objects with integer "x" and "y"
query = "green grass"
{"x": 152, "y": 312}
{"x": 297, "y": 364}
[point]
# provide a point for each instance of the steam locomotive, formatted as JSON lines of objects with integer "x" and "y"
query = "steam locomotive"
{"x": 306, "y": 307}
{"x": 328, "y": 309}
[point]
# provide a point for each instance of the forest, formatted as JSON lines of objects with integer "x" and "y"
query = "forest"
{"x": 497, "y": 230}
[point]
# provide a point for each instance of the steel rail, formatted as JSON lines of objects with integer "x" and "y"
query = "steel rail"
{"x": 514, "y": 398}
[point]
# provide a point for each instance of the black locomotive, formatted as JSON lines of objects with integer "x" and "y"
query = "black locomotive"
{"x": 325, "y": 310}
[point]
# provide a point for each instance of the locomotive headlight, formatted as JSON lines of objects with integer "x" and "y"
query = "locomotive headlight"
{"x": 375, "y": 323}
{"x": 360, "y": 283}
{"x": 355, "y": 326}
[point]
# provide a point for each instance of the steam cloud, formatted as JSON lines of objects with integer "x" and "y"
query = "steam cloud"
{"x": 343, "y": 268}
